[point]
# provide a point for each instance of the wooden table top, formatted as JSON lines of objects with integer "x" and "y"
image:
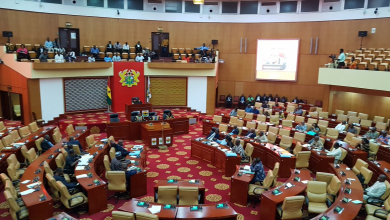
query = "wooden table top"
{"x": 131, "y": 206}
{"x": 219, "y": 145}
{"x": 297, "y": 189}
{"x": 183, "y": 182}
{"x": 157, "y": 127}
{"x": 245, "y": 177}
{"x": 209, "y": 211}
{"x": 382, "y": 165}
{"x": 33, "y": 198}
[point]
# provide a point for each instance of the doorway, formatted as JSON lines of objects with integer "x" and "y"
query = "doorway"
{"x": 70, "y": 39}
{"x": 11, "y": 106}
{"x": 158, "y": 39}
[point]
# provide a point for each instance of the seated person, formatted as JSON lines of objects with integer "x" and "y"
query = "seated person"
{"x": 118, "y": 47}
{"x": 186, "y": 58}
{"x": 214, "y": 135}
{"x": 117, "y": 165}
{"x": 59, "y": 58}
{"x": 384, "y": 138}
{"x": 336, "y": 152}
{"x": 251, "y": 133}
{"x": 250, "y": 100}
{"x": 107, "y": 58}
{"x": 137, "y": 118}
{"x": 258, "y": 169}
{"x": 372, "y": 134}
{"x": 255, "y": 111}
{"x": 137, "y": 101}
{"x": 168, "y": 115}
{"x": 352, "y": 129}
{"x": 316, "y": 143}
{"x": 228, "y": 101}
{"x": 226, "y": 142}
{"x": 75, "y": 142}
{"x": 283, "y": 99}
{"x": 154, "y": 117}
{"x": 138, "y": 47}
{"x": 46, "y": 144}
{"x": 95, "y": 51}
{"x": 364, "y": 145}
{"x": 315, "y": 128}
{"x": 376, "y": 191}
{"x": 248, "y": 109}
{"x": 61, "y": 50}
{"x": 49, "y": 45}
{"x": 69, "y": 147}
{"x": 258, "y": 98}
{"x": 22, "y": 52}
{"x": 353, "y": 64}
{"x": 295, "y": 100}
{"x": 126, "y": 48}
{"x": 341, "y": 126}
{"x": 91, "y": 59}
{"x": 59, "y": 176}
{"x": 235, "y": 130}
{"x": 301, "y": 127}
{"x": 233, "y": 112}
{"x": 241, "y": 103}
{"x": 238, "y": 149}
{"x": 70, "y": 162}
{"x": 43, "y": 57}
{"x": 139, "y": 58}
{"x": 109, "y": 47}
{"x": 298, "y": 111}
{"x": 119, "y": 147}
{"x": 277, "y": 107}
{"x": 265, "y": 104}
{"x": 202, "y": 47}
{"x": 262, "y": 138}
{"x": 116, "y": 58}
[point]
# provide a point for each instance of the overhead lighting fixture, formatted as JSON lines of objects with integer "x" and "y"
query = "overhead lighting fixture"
{"x": 198, "y": 2}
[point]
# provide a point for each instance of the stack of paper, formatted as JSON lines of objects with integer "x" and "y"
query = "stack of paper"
{"x": 247, "y": 167}
{"x": 32, "y": 185}
{"x": 26, "y": 192}
{"x": 26, "y": 181}
{"x": 82, "y": 176}
{"x": 80, "y": 168}
{"x": 155, "y": 209}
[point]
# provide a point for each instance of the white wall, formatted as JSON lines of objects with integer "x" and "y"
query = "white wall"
{"x": 192, "y": 17}
{"x": 52, "y": 98}
{"x": 197, "y": 93}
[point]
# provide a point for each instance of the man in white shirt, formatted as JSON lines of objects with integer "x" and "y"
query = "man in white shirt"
{"x": 59, "y": 58}
{"x": 91, "y": 58}
{"x": 341, "y": 59}
{"x": 336, "y": 152}
{"x": 139, "y": 58}
{"x": 125, "y": 48}
{"x": 341, "y": 126}
{"x": 116, "y": 58}
{"x": 376, "y": 191}
{"x": 262, "y": 138}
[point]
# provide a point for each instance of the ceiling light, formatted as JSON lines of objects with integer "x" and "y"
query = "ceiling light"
{"x": 198, "y": 2}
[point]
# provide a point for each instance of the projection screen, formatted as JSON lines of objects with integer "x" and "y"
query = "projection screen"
{"x": 277, "y": 60}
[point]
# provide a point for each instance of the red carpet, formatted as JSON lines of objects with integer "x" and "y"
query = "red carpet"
{"x": 174, "y": 162}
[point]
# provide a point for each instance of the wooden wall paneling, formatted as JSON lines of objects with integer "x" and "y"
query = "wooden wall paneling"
{"x": 211, "y": 91}
{"x": 34, "y": 97}
{"x": 169, "y": 91}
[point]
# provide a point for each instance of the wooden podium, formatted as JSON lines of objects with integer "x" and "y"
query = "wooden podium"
{"x": 153, "y": 136}
{"x": 129, "y": 108}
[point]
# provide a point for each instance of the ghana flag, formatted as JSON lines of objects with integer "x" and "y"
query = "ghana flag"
{"x": 109, "y": 99}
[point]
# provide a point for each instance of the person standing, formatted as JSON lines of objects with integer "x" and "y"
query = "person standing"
{"x": 341, "y": 59}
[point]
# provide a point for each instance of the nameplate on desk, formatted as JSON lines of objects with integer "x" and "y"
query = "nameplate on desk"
{"x": 142, "y": 204}
{"x": 172, "y": 181}
{"x": 342, "y": 173}
{"x": 221, "y": 206}
{"x": 297, "y": 179}
{"x": 169, "y": 206}
{"x": 338, "y": 210}
{"x": 195, "y": 208}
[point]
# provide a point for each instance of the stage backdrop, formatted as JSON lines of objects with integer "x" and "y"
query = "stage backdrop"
{"x": 128, "y": 82}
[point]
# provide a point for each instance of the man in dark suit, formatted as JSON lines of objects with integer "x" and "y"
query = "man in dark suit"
{"x": 110, "y": 47}
{"x": 72, "y": 141}
{"x": 251, "y": 133}
{"x": 242, "y": 102}
{"x": 235, "y": 130}
{"x": 119, "y": 148}
{"x": 59, "y": 176}
{"x": 214, "y": 135}
{"x": 46, "y": 144}
{"x": 264, "y": 98}
{"x": 138, "y": 48}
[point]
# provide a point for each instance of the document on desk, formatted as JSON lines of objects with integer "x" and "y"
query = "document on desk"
{"x": 26, "y": 192}
{"x": 80, "y": 168}
{"x": 82, "y": 176}
{"x": 155, "y": 209}
{"x": 26, "y": 181}
{"x": 247, "y": 167}
{"x": 32, "y": 185}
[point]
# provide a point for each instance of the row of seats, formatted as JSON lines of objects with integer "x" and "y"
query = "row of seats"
{"x": 29, "y": 47}
{"x": 16, "y": 135}
{"x": 87, "y": 49}
{"x": 371, "y": 59}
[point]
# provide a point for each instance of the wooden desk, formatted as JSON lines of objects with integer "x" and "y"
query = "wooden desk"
{"x": 3, "y": 162}
{"x": 176, "y": 65}
{"x": 269, "y": 201}
{"x": 156, "y": 136}
{"x": 129, "y": 108}
{"x": 317, "y": 161}
{"x": 71, "y": 66}
{"x": 43, "y": 209}
{"x": 61, "y": 216}
{"x": 239, "y": 187}
{"x": 132, "y": 130}
{"x": 138, "y": 182}
{"x": 378, "y": 170}
{"x": 209, "y": 211}
{"x": 29, "y": 141}
{"x": 215, "y": 157}
{"x": 97, "y": 195}
{"x": 350, "y": 210}
{"x": 181, "y": 183}
{"x": 383, "y": 154}
{"x": 131, "y": 206}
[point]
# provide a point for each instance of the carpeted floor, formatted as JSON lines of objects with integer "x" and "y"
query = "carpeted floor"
{"x": 174, "y": 162}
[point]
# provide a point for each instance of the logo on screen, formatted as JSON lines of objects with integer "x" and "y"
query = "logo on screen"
{"x": 129, "y": 78}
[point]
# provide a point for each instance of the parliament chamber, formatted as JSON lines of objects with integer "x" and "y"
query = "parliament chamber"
{"x": 203, "y": 109}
